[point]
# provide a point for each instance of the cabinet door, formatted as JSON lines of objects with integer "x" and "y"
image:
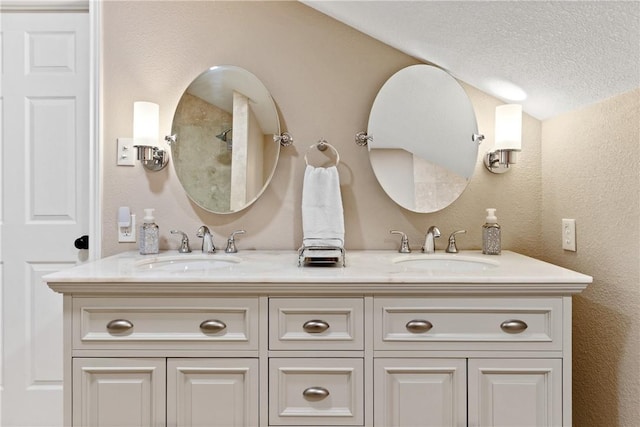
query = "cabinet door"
{"x": 212, "y": 392}
{"x": 119, "y": 392}
{"x": 420, "y": 392}
{"x": 515, "y": 392}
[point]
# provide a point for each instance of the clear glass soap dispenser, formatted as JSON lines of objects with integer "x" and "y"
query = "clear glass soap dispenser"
{"x": 149, "y": 234}
{"x": 491, "y": 239}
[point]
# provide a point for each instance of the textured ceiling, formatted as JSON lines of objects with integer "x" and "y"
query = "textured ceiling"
{"x": 561, "y": 55}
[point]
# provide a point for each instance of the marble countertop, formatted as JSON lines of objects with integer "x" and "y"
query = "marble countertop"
{"x": 278, "y": 271}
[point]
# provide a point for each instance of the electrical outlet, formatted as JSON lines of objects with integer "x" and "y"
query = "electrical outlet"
{"x": 569, "y": 234}
{"x": 126, "y": 152}
{"x": 128, "y": 233}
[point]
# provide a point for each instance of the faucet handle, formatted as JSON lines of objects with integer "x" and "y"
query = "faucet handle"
{"x": 452, "y": 248}
{"x": 231, "y": 242}
{"x": 404, "y": 242}
{"x": 184, "y": 243}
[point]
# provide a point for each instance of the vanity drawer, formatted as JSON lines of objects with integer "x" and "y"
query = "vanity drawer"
{"x": 316, "y": 392}
{"x": 316, "y": 324}
{"x": 468, "y": 324}
{"x": 165, "y": 323}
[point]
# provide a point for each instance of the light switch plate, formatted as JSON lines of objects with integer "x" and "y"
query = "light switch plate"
{"x": 126, "y": 152}
{"x": 569, "y": 234}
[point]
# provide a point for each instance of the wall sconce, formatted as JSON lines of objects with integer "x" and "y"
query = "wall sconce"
{"x": 508, "y": 138}
{"x": 145, "y": 135}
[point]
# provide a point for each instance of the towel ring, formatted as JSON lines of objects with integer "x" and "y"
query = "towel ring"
{"x": 322, "y": 145}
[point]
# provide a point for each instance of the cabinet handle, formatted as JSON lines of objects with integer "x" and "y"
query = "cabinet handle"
{"x": 315, "y": 393}
{"x": 119, "y": 325}
{"x": 212, "y": 326}
{"x": 315, "y": 326}
{"x": 419, "y": 326}
{"x": 513, "y": 326}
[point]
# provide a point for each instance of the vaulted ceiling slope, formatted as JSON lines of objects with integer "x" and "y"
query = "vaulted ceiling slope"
{"x": 550, "y": 56}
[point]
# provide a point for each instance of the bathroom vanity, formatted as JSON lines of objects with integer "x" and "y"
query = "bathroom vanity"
{"x": 254, "y": 340}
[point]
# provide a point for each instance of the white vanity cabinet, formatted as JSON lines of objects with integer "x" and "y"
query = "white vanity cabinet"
{"x": 292, "y": 346}
{"x": 505, "y": 366}
{"x": 316, "y": 363}
{"x": 157, "y": 392}
{"x": 164, "y": 361}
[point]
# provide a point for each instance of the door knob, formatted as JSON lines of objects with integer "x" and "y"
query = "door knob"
{"x": 82, "y": 242}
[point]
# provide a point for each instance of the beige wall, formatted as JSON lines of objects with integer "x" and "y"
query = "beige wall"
{"x": 591, "y": 172}
{"x": 323, "y": 77}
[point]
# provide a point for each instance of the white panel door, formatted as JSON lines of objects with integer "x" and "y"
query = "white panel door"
{"x": 420, "y": 392}
{"x": 113, "y": 392}
{"x": 44, "y": 101}
{"x": 212, "y": 392}
{"x": 515, "y": 392}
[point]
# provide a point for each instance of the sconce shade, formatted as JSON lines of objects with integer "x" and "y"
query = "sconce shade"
{"x": 508, "y": 127}
{"x": 146, "y": 122}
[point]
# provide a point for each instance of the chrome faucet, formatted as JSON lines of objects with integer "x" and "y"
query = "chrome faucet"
{"x": 184, "y": 243}
{"x": 429, "y": 240}
{"x": 207, "y": 240}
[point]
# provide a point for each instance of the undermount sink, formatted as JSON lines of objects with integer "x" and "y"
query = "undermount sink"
{"x": 187, "y": 263}
{"x": 446, "y": 262}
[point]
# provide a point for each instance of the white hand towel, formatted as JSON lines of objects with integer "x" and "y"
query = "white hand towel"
{"x": 322, "y": 213}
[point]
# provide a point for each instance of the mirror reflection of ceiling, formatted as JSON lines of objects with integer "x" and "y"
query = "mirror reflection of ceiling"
{"x": 422, "y": 150}
{"x": 560, "y": 54}
{"x": 212, "y": 87}
{"x": 424, "y": 111}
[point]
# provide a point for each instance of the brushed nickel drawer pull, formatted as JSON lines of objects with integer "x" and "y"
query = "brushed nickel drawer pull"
{"x": 212, "y": 326}
{"x": 315, "y": 326}
{"x": 315, "y": 393}
{"x": 119, "y": 325}
{"x": 513, "y": 326}
{"x": 419, "y": 326}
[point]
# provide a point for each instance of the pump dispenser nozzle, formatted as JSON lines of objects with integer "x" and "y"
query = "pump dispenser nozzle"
{"x": 491, "y": 216}
{"x": 148, "y": 215}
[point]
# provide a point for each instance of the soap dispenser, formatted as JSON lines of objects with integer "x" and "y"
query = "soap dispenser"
{"x": 149, "y": 234}
{"x": 491, "y": 244}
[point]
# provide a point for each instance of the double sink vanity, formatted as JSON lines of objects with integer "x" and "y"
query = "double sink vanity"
{"x": 255, "y": 340}
{"x": 251, "y": 339}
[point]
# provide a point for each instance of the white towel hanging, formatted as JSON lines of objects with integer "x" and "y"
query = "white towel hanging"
{"x": 322, "y": 212}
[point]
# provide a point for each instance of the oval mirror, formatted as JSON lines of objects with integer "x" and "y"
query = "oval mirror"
{"x": 423, "y": 151}
{"x": 224, "y": 153}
